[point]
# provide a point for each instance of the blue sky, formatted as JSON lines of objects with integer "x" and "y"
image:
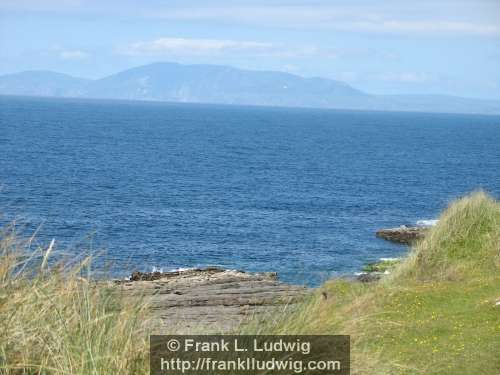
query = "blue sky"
{"x": 383, "y": 47}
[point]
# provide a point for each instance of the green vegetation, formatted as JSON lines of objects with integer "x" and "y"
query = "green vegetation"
{"x": 435, "y": 314}
{"x": 381, "y": 266}
{"x": 57, "y": 322}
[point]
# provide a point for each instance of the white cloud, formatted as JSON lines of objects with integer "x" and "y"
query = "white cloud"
{"x": 184, "y": 46}
{"x": 73, "y": 55}
{"x": 170, "y": 46}
{"x": 419, "y": 27}
{"x": 64, "y": 53}
{"x": 174, "y": 46}
{"x": 432, "y": 18}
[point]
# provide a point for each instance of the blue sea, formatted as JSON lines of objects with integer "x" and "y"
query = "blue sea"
{"x": 296, "y": 191}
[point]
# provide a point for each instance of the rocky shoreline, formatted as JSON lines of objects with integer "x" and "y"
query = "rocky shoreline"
{"x": 215, "y": 300}
{"x": 211, "y": 299}
{"x": 405, "y": 235}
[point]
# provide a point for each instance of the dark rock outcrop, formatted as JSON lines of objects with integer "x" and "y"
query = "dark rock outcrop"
{"x": 369, "y": 277}
{"x": 403, "y": 234}
{"x": 157, "y": 275}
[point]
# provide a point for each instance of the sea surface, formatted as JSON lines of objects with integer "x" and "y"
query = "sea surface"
{"x": 296, "y": 191}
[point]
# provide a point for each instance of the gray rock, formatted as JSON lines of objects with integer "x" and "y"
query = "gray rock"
{"x": 369, "y": 277}
{"x": 403, "y": 234}
{"x": 210, "y": 300}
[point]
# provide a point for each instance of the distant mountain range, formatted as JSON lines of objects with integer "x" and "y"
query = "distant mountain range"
{"x": 226, "y": 85}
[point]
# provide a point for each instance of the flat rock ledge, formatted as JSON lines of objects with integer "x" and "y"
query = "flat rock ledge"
{"x": 369, "y": 277}
{"x": 210, "y": 300}
{"x": 403, "y": 234}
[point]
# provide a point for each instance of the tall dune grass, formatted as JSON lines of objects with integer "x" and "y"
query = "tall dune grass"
{"x": 437, "y": 313}
{"x": 56, "y": 321}
{"x": 464, "y": 244}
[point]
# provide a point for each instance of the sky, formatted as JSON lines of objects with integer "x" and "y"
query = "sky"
{"x": 382, "y": 47}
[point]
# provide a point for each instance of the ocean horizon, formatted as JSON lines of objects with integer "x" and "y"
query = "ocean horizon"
{"x": 300, "y": 192}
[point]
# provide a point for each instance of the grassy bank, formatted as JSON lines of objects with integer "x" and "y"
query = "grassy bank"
{"x": 57, "y": 322}
{"x": 434, "y": 314}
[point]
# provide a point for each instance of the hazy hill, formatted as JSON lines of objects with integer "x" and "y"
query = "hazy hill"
{"x": 220, "y": 84}
{"x": 41, "y": 83}
{"x": 226, "y": 85}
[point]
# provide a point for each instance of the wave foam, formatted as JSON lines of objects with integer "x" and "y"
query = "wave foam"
{"x": 180, "y": 269}
{"x": 427, "y": 223}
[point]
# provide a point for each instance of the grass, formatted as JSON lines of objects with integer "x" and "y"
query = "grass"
{"x": 465, "y": 244}
{"x": 381, "y": 266}
{"x": 434, "y": 314}
{"x": 54, "y": 321}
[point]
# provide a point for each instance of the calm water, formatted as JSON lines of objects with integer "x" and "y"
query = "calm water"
{"x": 299, "y": 192}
